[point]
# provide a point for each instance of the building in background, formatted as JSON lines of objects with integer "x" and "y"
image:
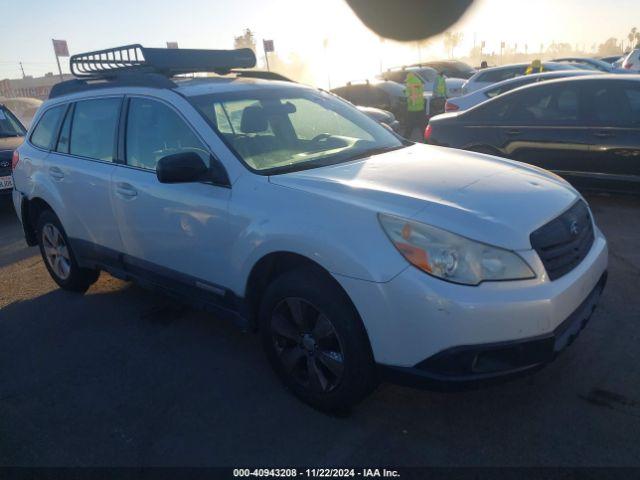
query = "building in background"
{"x": 34, "y": 87}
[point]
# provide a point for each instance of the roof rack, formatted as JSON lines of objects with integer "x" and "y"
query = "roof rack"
{"x": 164, "y": 61}
{"x": 135, "y": 65}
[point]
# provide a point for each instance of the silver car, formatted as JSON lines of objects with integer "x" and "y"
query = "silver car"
{"x": 489, "y": 76}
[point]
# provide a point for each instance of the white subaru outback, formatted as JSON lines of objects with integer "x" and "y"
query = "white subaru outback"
{"x": 356, "y": 254}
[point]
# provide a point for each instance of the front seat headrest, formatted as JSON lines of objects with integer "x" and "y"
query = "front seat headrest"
{"x": 254, "y": 120}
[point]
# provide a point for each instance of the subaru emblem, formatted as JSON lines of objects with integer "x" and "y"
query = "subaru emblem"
{"x": 573, "y": 228}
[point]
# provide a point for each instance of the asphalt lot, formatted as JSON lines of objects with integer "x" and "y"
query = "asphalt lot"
{"x": 122, "y": 377}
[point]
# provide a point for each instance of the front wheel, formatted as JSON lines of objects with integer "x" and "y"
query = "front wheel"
{"x": 58, "y": 256}
{"x": 315, "y": 340}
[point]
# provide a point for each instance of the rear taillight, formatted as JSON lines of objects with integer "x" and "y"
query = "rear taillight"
{"x": 427, "y": 132}
{"x": 15, "y": 159}
{"x": 451, "y": 107}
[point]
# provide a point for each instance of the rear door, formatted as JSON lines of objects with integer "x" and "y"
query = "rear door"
{"x": 80, "y": 168}
{"x": 614, "y": 121}
{"x": 545, "y": 125}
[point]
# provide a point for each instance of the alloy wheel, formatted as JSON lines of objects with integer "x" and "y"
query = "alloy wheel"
{"x": 307, "y": 345}
{"x": 56, "y": 251}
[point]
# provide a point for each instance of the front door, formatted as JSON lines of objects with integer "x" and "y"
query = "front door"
{"x": 174, "y": 231}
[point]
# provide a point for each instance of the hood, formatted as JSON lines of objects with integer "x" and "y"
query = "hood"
{"x": 485, "y": 198}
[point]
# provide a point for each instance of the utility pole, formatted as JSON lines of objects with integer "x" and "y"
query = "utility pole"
{"x": 59, "y": 67}
{"x": 22, "y": 68}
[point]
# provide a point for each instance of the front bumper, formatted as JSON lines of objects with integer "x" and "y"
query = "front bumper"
{"x": 475, "y": 365}
{"x": 414, "y": 319}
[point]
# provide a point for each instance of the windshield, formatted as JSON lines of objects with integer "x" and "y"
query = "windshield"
{"x": 285, "y": 129}
{"x": 427, "y": 74}
{"x": 9, "y": 125}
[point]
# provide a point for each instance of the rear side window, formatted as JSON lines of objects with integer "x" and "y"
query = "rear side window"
{"x": 545, "y": 105}
{"x": 44, "y": 134}
{"x": 154, "y": 131}
{"x": 93, "y": 129}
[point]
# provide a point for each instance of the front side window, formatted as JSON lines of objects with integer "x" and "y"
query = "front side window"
{"x": 293, "y": 128}
{"x": 93, "y": 128}
{"x": 154, "y": 130}
{"x": 44, "y": 134}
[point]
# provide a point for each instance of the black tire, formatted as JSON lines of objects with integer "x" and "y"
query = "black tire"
{"x": 78, "y": 279}
{"x": 348, "y": 344}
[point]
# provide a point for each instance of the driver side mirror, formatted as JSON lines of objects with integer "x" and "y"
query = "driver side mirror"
{"x": 183, "y": 167}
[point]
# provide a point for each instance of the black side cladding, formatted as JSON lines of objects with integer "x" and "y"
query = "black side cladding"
{"x": 565, "y": 241}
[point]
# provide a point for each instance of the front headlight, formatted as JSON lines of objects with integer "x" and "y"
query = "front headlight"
{"x": 452, "y": 257}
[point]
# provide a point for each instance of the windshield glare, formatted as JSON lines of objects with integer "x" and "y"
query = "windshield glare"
{"x": 293, "y": 128}
{"x": 9, "y": 125}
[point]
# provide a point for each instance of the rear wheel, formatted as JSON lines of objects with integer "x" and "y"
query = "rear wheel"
{"x": 315, "y": 340}
{"x": 58, "y": 256}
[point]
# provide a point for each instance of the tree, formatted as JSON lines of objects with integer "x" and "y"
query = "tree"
{"x": 634, "y": 37}
{"x": 609, "y": 48}
{"x": 452, "y": 40}
{"x": 559, "y": 49}
{"x": 245, "y": 40}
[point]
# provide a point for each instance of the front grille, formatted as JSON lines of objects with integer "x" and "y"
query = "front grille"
{"x": 563, "y": 243}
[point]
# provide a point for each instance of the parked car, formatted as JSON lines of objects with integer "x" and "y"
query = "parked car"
{"x": 357, "y": 255}
{"x": 427, "y": 75}
{"x": 612, "y": 59}
{"x": 11, "y": 136}
{"x": 381, "y": 116}
{"x": 450, "y": 68}
{"x": 384, "y": 95}
{"x": 24, "y": 108}
{"x": 489, "y": 76}
{"x": 475, "y": 98}
{"x": 586, "y": 129}
{"x": 593, "y": 64}
{"x": 632, "y": 61}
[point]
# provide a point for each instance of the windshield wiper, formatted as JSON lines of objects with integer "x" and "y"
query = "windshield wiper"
{"x": 376, "y": 151}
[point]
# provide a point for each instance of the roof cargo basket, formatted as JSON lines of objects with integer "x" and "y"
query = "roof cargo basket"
{"x": 111, "y": 62}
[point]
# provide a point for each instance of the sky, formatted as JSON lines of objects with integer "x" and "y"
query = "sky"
{"x": 298, "y": 27}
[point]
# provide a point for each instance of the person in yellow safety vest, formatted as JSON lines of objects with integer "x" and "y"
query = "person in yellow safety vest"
{"x": 414, "y": 93}
{"x": 440, "y": 86}
{"x": 439, "y": 95}
{"x": 535, "y": 67}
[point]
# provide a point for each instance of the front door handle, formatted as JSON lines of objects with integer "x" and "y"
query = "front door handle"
{"x": 56, "y": 173}
{"x": 126, "y": 190}
{"x": 513, "y": 131}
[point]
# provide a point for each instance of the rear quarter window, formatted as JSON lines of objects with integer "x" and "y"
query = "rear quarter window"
{"x": 46, "y": 130}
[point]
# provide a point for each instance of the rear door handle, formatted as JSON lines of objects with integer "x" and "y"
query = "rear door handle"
{"x": 56, "y": 173}
{"x": 513, "y": 131}
{"x": 126, "y": 190}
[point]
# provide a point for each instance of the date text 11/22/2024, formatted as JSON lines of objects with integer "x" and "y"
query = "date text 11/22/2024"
{"x": 317, "y": 472}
